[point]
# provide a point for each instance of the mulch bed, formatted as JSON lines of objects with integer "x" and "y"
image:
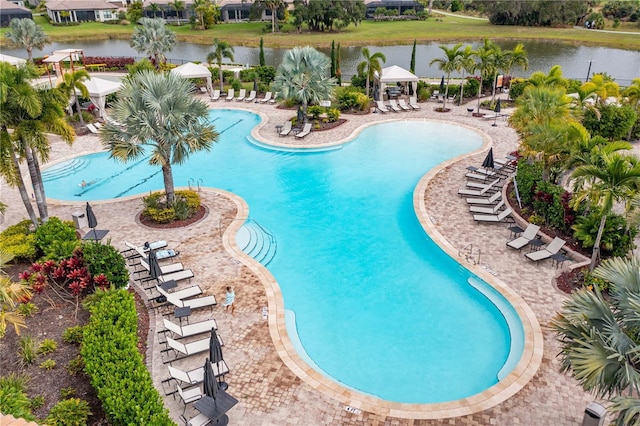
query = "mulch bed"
{"x": 49, "y": 323}
{"x": 202, "y": 211}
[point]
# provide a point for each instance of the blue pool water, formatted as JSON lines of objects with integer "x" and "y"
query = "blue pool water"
{"x": 378, "y": 306}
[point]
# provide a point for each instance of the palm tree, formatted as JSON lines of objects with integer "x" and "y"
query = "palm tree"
{"x": 153, "y": 39}
{"x": 73, "y": 82}
{"x": 517, "y": 58}
{"x": 484, "y": 63}
{"x": 303, "y": 75}
{"x": 158, "y": 116}
{"x": 26, "y": 34}
{"x": 632, "y": 96}
{"x": 601, "y": 88}
{"x": 553, "y": 79}
{"x": 31, "y": 114}
{"x": 466, "y": 64}
{"x": 599, "y": 337}
{"x": 615, "y": 179}
{"x": 273, "y": 6}
{"x": 499, "y": 62}
{"x": 371, "y": 65}
{"x": 178, "y": 6}
{"x": 448, "y": 63}
{"x": 221, "y": 50}
{"x": 540, "y": 106}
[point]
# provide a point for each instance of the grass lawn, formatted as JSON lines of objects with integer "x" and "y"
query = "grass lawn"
{"x": 437, "y": 29}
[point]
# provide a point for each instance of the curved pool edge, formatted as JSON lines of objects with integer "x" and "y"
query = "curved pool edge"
{"x": 532, "y": 353}
{"x": 524, "y": 371}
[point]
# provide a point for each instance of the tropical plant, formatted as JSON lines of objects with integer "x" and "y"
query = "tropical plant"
{"x": 553, "y": 79}
{"x": 601, "y": 88}
{"x": 484, "y": 63}
{"x": 13, "y": 396}
{"x": 599, "y": 337}
{"x": 273, "y": 6}
{"x": 19, "y": 241}
{"x": 153, "y": 39}
{"x": 448, "y": 63}
{"x": 157, "y": 116}
{"x": 105, "y": 260}
{"x": 632, "y": 96}
{"x": 466, "y": 64}
{"x": 370, "y": 66}
{"x": 178, "y": 6}
{"x": 617, "y": 237}
{"x": 303, "y": 76}
{"x": 69, "y": 412}
{"x": 221, "y": 50}
{"x": 11, "y": 294}
{"x": 615, "y": 178}
{"x": 26, "y": 34}
{"x": 517, "y": 57}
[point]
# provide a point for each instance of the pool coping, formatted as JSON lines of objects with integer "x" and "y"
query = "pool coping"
{"x": 516, "y": 380}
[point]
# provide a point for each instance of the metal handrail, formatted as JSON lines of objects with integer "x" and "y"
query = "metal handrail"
{"x": 470, "y": 245}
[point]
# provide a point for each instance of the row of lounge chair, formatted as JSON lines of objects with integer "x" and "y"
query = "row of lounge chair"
{"x": 528, "y": 236}
{"x": 242, "y": 96}
{"x": 288, "y": 128}
{"x": 401, "y": 105}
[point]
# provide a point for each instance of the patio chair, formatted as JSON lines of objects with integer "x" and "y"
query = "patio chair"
{"x": 413, "y": 103}
{"x": 504, "y": 216}
{"x": 487, "y": 210}
{"x": 553, "y": 248}
{"x": 251, "y": 97}
{"x": 195, "y": 303}
{"x": 230, "y": 95}
{"x": 192, "y": 377}
{"x": 402, "y": 104}
{"x": 381, "y": 107}
{"x": 267, "y": 98}
{"x": 92, "y": 128}
{"x": 189, "y": 329}
{"x": 185, "y": 293}
{"x": 166, "y": 269}
{"x": 526, "y": 237}
{"x": 187, "y": 274}
{"x": 274, "y": 99}
{"x": 241, "y": 95}
{"x": 286, "y": 129}
{"x": 393, "y": 106}
{"x": 216, "y": 95}
{"x": 486, "y": 200}
{"x": 189, "y": 395}
{"x": 184, "y": 350}
{"x": 305, "y": 131}
{"x": 199, "y": 420}
{"x": 481, "y": 190}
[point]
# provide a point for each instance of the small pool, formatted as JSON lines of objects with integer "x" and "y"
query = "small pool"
{"x": 371, "y": 301}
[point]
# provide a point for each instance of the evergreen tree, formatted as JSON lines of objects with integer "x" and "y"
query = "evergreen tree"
{"x": 262, "y": 61}
{"x": 338, "y": 70}
{"x": 412, "y": 67}
{"x": 333, "y": 58}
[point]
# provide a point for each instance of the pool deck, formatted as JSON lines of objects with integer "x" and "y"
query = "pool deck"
{"x": 264, "y": 377}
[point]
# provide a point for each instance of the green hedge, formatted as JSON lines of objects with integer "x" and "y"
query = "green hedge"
{"x": 116, "y": 368}
{"x": 106, "y": 260}
{"x": 19, "y": 240}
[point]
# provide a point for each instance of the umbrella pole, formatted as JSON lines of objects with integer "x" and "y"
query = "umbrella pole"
{"x": 494, "y": 120}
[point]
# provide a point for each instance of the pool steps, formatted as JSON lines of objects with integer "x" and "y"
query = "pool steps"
{"x": 64, "y": 169}
{"x": 257, "y": 242}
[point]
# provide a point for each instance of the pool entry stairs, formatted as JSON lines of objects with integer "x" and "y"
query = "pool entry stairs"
{"x": 256, "y": 241}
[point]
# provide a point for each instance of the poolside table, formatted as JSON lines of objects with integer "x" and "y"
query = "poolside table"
{"x": 215, "y": 409}
{"x": 182, "y": 312}
{"x": 536, "y": 244}
{"x": 558, "y": 259}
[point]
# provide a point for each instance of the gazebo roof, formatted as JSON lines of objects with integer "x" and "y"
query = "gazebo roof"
{"x": 395, "y": 73}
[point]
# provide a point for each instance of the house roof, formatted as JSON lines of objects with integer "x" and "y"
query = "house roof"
{"x": 8, "y": 7}
{"x": 79, "y": 5}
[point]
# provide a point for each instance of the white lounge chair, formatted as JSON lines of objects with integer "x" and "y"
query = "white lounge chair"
{"x": 189, "y": 329}
{"x": 480, "y": 191}
{"x": 553, "y": 248}
{"x": 267, "y": 98}
{"x": 230, "y": 95}
{"x": 166, "y": 269}
{"x": 394, "y": 106}
{"x": 251, "y": 97}
{"x": 187, "y": 274}
{"x": 195, "y": 303}
{"x": 526, "y": 237}
{"x": 413, "y": 103}
{"x": 216, "y": 95}
{"x": 381, "y": 107}
{"x": 92, "y": 128}
{"x": 486, "y": 200}
{"x": 198, "y": 420}
{"x": 286, "y": 129}
{"x": 305, "y": 131}
{"x": 402, "y": 104}
{"x": 183, "y": 350}
{"x": 504, "y": 216}
{"x": 274, "y": 99}
{"x": 185, "y": 293}
{"x": 133, "y": 250}
{"x": 189, "y": 395}
{"x": 241, "y": 95}
{"x": 487, "y": 210}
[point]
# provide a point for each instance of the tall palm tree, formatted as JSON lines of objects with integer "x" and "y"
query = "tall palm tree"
{"x": 632, "y": 96}
{"x": 517, "y": 58}
{"x": 158, "y": 116}
{"x": 615, "y": 179}
{"x": 73, "y": 82}
{"x": 178, "y": 6}
{"x": 499, "y": 62}
{"x": 601, "y": 88}
{"x": 484, "y": 63}
{"x": 221, "y": 50}
{"x": 371, "y": 65}
{"x": 448, "y": 63}
{"x": 466, "y": 64}
{"x": 31, "y": 114}
{"x": 273, "y": 6}
{"x": 26, "y": 34}
{"x": 540, "y": 106}
{"x": 153, "y": 39}
{"x": 599, "y": 337}
{"x": 303, "y": 75}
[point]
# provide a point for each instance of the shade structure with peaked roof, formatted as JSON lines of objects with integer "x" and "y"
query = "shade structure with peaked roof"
{"x": 395, "y": 74}
{"x": 98, "y": 89}
{"x": 191, "y": 70}
{"x": 12, "y": 60}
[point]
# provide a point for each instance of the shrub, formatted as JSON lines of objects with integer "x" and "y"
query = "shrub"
{"x": 47, "y": 346}
{"x": 613, "y": 123}
{"x": 37, "y": 402}
{"x": 66, "y": 393}
{"x": 76, "y": 365}
{"x": 27, "y": 309}
{"x": 591, "y": 281}
{"x": 528, "y": 176}
{"x": 27, "y": 350}
{"x": 13, "y": 398}
{"x": 191, "y": 197}
{"x": 111, "y": 62}
{"x": 616, "y": 239}
{"x": 156, "y": 208}
{"x": 115, "y": 366}
{"x": 105, "y": 260}
{"x": 70, "y": 412}
{"x": 516, "y": 89}
{"x": 315, "y": 111}
{"x": 54, "y": 232}
{"x": 423, "y": 91}
{"x": 73, "y": 335}
{"x": 181, "y": 209}
{"x": 235, "y": 84}
{"x": 471, "y": 87}
{"x": 351, "y": 98}
{"x": 48, "y": 364}
{"x": 333, "y": 114}
{"x": 19, "y": 241}
{"x": 266, "y": 74}
{"x": 161, "y": 215}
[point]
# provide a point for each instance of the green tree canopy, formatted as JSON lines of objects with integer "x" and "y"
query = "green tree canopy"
{"x": 153, "y": 39}
{"x": 26, "y": 34}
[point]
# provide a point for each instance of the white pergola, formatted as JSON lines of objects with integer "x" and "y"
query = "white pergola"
{"x": 191, "y": 70}
{"x": 395, "y": 74}
{"x": 99, "y": 89}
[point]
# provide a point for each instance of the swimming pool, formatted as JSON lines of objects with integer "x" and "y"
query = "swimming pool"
{"x": 375, "y": 304}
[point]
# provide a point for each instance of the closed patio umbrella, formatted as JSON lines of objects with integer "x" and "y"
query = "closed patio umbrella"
{"x": 488, "y": 162}
{"x": 154, "y": 266}
{"x": 209, "y": 381}
{"x": 92, "y": 222}
{"x": 497, "y": 111}
{"x": 442, "y": 86}
{"x": 215, "y": 355}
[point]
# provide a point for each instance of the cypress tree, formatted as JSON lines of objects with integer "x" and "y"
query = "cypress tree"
{"x": 338, "y": 70}
{"x": 412, "y": 67}
{"x": 333, "y": 58}
{"x": 262, "y": 63}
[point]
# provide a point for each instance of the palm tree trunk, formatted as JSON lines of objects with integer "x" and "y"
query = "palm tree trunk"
{"x": 30, "y": 54}
{"x": 36, "y": 182}
{"x": 479, "y": 93}
{"x": 167, "y": 175}
{"x": 368, "y": 84}
{"x": 493, "y": 89}
{"x": 596, "y": 245}
{"x": 79, "y": 111}
{"x": 446, "y": 93}
{"x": 273, "y": 21}
{"x": 23, "y": 189}
{"x": 461, "y": 90}
{"x": 221, "y": 76}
